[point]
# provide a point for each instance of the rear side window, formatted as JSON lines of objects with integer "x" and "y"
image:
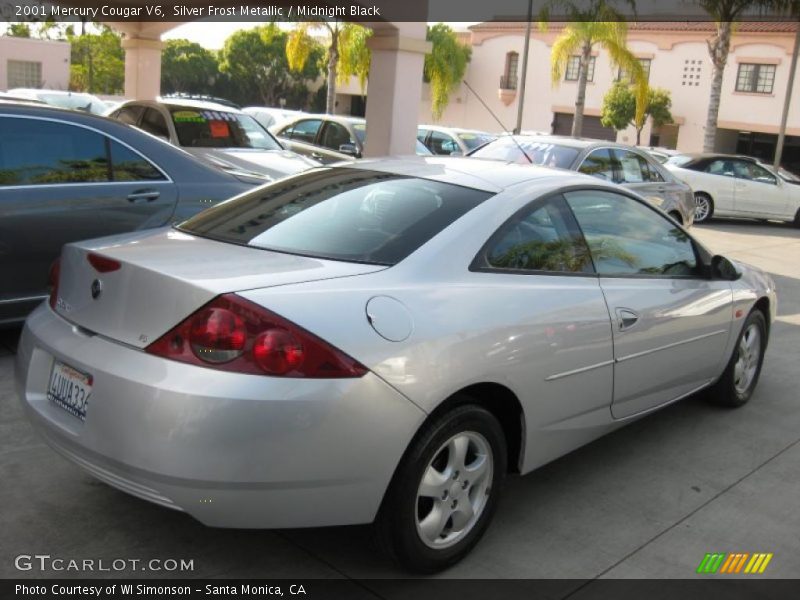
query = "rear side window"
{"x": 303, "y": 131}
{"x": 154, "y": 123}
{"x": 601, "y": 164}
{"x": 127, "y": 165}
{"x": 39, "y": 152}
{"x": 342, "y": 214}
{"x": 129, "y": 114}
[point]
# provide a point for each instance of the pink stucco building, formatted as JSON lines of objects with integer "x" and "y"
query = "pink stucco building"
{"x": 33, "y": 63}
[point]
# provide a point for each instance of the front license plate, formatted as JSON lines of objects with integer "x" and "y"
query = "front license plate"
{"x": 70, "y": 389}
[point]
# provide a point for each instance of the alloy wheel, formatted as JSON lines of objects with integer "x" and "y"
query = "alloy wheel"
{"x": 702, "y": 207}
{"x": 749, "y": 355}
{"x": 454, "y": 490}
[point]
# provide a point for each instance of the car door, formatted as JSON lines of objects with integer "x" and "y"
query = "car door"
{"x": 637, "y": 174}
{"x": 556, "y": 342}
{"x": 332, "y": 137}
{"x": 757, "y": 192}
{"x": 301, "y": 137}
{"x": 718, "y": 178}
{"x": 62, "y": 182}
{"x": 670, "y": 323}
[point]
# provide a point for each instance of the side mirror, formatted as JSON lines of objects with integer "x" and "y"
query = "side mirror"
{"x": 349, "y": 149}
{"x": 722, "y": 268}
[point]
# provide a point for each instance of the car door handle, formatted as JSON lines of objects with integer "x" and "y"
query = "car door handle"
{"x": 317, "y": 156}
{"x": 661, "y": 188}
{"x": 626, "y": 318}
{"x": 143, "y": 195}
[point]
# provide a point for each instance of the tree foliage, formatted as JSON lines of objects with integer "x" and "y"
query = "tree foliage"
{"x": 346, "y": 55}
{"x": 620, "y": 108}
{"x": 256, "y": 64}
{"x": 445, "y": 66}
{"x": 188, "y": 67}
{"x": 592, "y": 23}
{"x": 22, "y": 30}
{"x": 97, "y": 62}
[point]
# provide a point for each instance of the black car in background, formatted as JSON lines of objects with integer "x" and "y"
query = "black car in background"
{"x": 67, "y": 175}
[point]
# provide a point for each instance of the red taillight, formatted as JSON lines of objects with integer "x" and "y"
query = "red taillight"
{"x": 234, "y": 334}
{"x": 52, "y": 281}
{"x": 103, "y": 264}
{"x": 277, "y": 351}
{"x": 217, "y": 335}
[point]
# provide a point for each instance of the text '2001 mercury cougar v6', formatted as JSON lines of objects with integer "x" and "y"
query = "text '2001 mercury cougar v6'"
{"x": 381, "y": 341}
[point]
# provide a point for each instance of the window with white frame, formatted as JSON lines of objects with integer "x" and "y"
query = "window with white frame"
{"x": 755, "y": 78}
{"x": 24, "y": 73}
{"x": 623, "y": 75}
{"x": 574, "y": 69}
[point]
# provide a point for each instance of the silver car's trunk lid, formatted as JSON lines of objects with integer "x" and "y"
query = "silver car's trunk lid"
{"x": 166, "y": 275}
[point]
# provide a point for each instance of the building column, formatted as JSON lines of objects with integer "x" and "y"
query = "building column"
{"x": 142, "y": 68}
{"x": 395, "y": 88}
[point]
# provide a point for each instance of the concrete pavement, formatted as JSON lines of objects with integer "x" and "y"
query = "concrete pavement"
{"x": 647, "y": 501}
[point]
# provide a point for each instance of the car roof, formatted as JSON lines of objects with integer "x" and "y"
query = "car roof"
{"x": 183, "y": 103}
{"x": 487, "y": 175}
{"x": 718, "y": 155}
{"x": 454, "y": 129}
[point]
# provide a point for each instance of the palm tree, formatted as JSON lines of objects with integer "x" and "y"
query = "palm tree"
{"x": 725, "y": 13}
{"x": 348, "y": 54}
{"x": 580, "y": 37}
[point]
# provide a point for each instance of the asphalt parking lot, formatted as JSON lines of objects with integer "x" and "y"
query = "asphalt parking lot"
{"x": 647, "y": 501}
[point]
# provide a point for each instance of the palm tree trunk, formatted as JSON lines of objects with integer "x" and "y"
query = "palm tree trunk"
{"x": 718, "y": 48}
{"x": 583, "y": 77}
{"x": 333, "y": 60}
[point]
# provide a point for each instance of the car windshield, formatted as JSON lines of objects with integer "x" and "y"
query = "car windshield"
{"x": 511, "y": 149}
{"x": 83, "y": 102}
{"x": 473, "y": 139}
{"x": 679, "y": 160}
{"x": 201, "y": 128}
{"x": 339, "y": 213}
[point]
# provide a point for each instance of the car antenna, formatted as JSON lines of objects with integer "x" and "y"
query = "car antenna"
{"x": 504, "y": 128}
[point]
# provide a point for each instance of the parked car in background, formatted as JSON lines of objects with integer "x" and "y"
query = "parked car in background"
{"x": 383, "y": 341}
{"x": 270, "y": 116}
{"x": 202, "y": 98}
{"x": 222, "y": 136}
{"x": 327, "y": 138}
{"x": 727, "y": 185}
{"x": 62, "y": 99}
{"x": 626, "y": 165}
{"x": 662, "y": 155}
{"x": 452, "y": 141}
{"x": 67, "y": 176}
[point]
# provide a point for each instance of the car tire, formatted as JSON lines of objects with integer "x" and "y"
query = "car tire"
{"x": 427, "y": 526}
{"x": 736, "y": 385}
{"x": 797, "y": 219}
{"x": 704, "y": 207}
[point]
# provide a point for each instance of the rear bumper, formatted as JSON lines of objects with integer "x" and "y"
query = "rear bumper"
{"x": 231, "y": 450}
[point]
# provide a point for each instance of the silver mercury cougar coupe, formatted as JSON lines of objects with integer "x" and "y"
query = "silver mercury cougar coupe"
{"x": 381, "y": 341}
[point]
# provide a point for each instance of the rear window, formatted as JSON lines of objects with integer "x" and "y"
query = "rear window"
{"x": 528, "y": 151}
{"x": 474, "y": 140}
{"x": 339, "y": 213}
{"x": 200, "y": 128}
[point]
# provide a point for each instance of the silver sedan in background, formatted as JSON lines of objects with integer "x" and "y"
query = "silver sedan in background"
{"x": 629, "y": 166}
{"x": 382, "y": 341}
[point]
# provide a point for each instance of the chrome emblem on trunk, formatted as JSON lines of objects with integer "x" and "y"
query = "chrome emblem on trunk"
{"x": 97, "y": 289}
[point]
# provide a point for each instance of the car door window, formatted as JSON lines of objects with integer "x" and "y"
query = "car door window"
{"x": 335, "y": 135}
{"x": 127, "y": 165}
{"x": 632, "y": 167}
{"x": 753, "y": 172}
{"x": 154, "y": 122}
{"x": 600, "y": 163}
{"x": 721, "y": 167}
{"x": 543, "y": 237}
{"x": 441, "y": 143}
{"x": 626, "y": 237}
{"x": 129, "y": 114}
{"x": 422, "y": 134}
{"x": 303, "y": 131}
{"x": 40, "y": 152}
